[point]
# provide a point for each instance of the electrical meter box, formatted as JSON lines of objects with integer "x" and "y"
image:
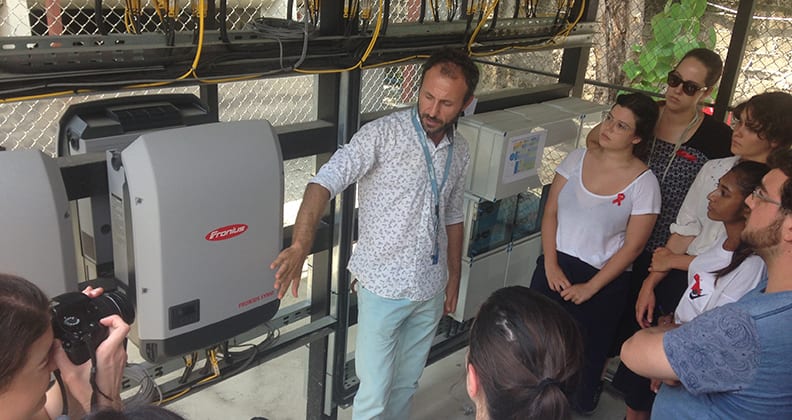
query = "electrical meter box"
{"x": 506, "y": 153}
{"x": 588, "y": 114}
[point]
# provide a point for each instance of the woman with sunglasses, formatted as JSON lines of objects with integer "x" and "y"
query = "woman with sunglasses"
{"x": 586, "y": 259}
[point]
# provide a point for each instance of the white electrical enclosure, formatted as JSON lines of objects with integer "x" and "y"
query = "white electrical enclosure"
{"x": 197, "y": 217}
{"x": 506, "y": 153}
{"x": 38, "y": 243}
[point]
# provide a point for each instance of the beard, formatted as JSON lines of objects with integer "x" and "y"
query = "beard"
{"x": 442, "y": 127}
{"x": 764, "y": 239}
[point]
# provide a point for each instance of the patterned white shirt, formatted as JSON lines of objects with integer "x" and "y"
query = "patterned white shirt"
{"x": 396, "y": 232}
{"x": 692, "y": 218}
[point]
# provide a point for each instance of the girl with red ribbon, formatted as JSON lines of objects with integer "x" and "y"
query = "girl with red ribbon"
{"x": 599, "y": 214}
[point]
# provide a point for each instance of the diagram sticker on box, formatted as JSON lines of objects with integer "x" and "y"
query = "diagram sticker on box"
{"x": 524, "y": 155}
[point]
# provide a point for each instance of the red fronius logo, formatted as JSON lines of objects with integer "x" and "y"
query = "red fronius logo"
{"x": 226, "y": 232}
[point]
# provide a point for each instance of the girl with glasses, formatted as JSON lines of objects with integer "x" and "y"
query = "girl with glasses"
{"x": 600, "y": 211}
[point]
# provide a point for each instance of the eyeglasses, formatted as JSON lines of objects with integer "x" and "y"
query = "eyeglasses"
{"x": 690, "y": 88}
{"x": 760, "y": 195}
{"x": 620, "y": 125}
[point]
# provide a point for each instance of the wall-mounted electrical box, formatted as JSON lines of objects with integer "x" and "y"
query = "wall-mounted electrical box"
{"x": 506, "y": 153}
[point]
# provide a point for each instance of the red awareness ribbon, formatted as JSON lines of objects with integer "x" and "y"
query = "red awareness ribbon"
{"x": 619, "y": 198}
{"x": 685, "y": 155}
{"x": 696, "y": 289}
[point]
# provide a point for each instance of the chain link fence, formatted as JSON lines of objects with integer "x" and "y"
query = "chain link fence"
{"x": 665, "y": 30}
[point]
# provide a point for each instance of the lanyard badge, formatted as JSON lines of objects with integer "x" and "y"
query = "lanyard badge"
{"x": 433, "y": 179}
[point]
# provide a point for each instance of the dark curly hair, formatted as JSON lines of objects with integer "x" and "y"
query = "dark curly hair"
{"x": 767, "y": 114}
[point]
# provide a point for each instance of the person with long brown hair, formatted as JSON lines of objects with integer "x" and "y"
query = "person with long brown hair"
{"x": 29, "y": 354}
{"x": 525, "y": 356}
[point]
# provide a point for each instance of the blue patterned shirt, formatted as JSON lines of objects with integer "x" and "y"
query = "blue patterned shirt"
{"x": 396, "y": 232}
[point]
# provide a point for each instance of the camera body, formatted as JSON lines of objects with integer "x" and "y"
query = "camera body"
{"x": 75, "y": 321}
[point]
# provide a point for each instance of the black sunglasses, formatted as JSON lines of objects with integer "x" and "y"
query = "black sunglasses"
{"x": 690, "y": 88}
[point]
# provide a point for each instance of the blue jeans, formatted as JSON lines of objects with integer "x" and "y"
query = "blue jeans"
{"x": 394, "y": 337}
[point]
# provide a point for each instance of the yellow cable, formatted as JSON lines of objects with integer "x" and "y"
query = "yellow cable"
{"x": 362, "y": 58}
{"x": 196, "y": 59}
{"x": 479, "y": 26}
{"x": 555, "y": 39}
{"x": 173, "y": 397}
{"x": 44, "y": 95}
{"x": 396, "y": 61}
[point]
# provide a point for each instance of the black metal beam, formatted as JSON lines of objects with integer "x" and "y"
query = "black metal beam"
{"x": 349, "y": 122}
{"x": 734, "y": 57}
{"x": 575, "y": 60}
{"x": 210, "y": 98}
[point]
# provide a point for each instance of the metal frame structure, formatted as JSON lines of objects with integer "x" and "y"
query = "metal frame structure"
{"x": 333, "y": 310}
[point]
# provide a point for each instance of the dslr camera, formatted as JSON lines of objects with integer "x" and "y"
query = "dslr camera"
{"x": 75, "y": 321}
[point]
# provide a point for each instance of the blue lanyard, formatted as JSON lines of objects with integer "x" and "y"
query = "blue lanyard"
{"x": 433, "y": 179}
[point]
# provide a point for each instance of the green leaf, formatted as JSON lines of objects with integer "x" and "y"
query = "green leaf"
{"x": 647, "y": 61}
{"x": 695, "y": 26}
{"x": 698, "y": 7}
{"x": 631, "y": 70}
{"x": 682, "y": 47}
{"x": 676, "y": 11}
{"x": 665, "y": 34}
{"x": 713, "y": 38}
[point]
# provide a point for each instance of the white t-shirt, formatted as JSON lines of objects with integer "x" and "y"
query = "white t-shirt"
{"x": 592, "y": 227}
{"x": 692, "y": 218}
{"x": 703, "y": 294}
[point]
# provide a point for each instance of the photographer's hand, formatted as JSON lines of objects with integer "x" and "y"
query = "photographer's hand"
{"x": 111, "y": 358}
{"x": 110, "y": 362}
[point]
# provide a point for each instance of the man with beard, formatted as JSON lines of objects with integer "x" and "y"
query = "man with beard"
{"x": 409, "y": 167}
{"x": 733, "y": 361}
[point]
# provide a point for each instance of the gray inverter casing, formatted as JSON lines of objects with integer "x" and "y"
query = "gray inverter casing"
{"x": 37, "y": 243}
{"x": 197, "y": 217}
{"x": 112, "y": 124}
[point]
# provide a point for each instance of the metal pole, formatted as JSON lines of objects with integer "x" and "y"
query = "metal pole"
{"x": 731, "y": 67}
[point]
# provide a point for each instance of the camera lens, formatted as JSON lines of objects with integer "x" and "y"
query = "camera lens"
{"x": 114, "y": 303}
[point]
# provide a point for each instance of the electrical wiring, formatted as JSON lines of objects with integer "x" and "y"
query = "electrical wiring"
{"x": 482, "y": 21}
{"x": 198, "y": 50}
{"x": 148, "y": 388}
{"x": 396, "y": 61}
{"x": 44, "y": 95}
{"x": 363, "y": 58}
{"x": 560, "y": 36}
{"x": 211, "y": 362}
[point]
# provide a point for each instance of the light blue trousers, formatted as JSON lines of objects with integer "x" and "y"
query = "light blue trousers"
{"x": 394, "y": 337}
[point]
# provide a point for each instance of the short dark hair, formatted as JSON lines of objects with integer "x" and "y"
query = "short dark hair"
{"x": 646, "y": 112}
{"x": 146, "y": 412}
{"x": 711, "y": 60}
{"x": 527, "y": 352}
{"x": 458, "y": 58}
{"x": 768, "y": 116}
{"x": 782, "y": 159}
{"x": 24, "y": 318}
